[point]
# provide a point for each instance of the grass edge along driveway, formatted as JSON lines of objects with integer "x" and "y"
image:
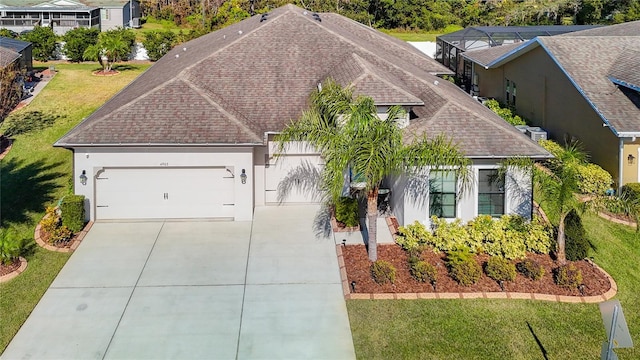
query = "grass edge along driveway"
{"x": 34, "y": 174}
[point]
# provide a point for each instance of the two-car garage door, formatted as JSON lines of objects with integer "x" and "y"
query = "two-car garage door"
{"x": 164, "y": 193}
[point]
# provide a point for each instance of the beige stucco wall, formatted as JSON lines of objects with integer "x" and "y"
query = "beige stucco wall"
{"x": 547, "y": 98}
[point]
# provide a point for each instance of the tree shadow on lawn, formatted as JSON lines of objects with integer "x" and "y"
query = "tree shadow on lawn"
{"x": 25, "y": 188}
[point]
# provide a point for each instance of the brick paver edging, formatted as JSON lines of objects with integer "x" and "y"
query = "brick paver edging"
{"x": 18, "y": 271}
{"x": 74, "y": 245}
{"x": 477, "y": 295}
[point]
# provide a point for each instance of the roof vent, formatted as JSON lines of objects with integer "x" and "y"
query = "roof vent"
{"x": 436, "y": 83}
{"x": 263, "y": 17}
{"x": 316, "y": 17}
{"x": 239, "y": 32}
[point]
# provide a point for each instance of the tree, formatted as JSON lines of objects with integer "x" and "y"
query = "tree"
{"x": 350, "y": 135}
{"x": 44, "y": 42}
{"x": 10, "y": 88}
{"x": 77, "y": 41}
{"x": 559, "y": 186}
{"x": 112, "y": 46}
{"x": 8, "y": 33}
{"x": 158, "y": 43}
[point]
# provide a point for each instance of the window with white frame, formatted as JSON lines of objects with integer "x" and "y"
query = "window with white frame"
{"x": 442, "y": 194}
{"x": 491, "y": 197}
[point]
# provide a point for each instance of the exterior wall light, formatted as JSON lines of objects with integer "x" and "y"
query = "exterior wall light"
{"x": 83, "y": 177}
{"x": 243, "y": 177}
{"x": 631, "y": 159}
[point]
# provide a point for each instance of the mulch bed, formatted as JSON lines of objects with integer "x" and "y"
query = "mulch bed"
{"x": 106, "y": 73}
{"x": 9, "y": 268}
{"x": 45, "y": 236}
{"x": 358, "y": 265}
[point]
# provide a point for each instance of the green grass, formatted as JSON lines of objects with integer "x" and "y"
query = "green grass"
{"x": 34, "y": 175}
{"x": 158, "y": 25}
{"x": 418, "y": 35}
{"x": 499, "y": 329}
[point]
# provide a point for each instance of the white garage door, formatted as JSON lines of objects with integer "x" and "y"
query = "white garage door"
{"x": 164, "y": 193}
{"x": 298, "y": 171}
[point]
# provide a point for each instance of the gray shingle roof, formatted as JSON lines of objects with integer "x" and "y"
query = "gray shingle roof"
{"x": 631, "y": 28}
{"x": 13, "y": 44}
{"x": 588, "y": 61}
{"x": 486, "y": 56}
{"x": 626, "y": 69}
{"x": 7, "y": 56}
{"x": 234, "y": 85}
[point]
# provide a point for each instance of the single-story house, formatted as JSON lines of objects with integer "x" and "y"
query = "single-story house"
{"x": 582, "y": 85}
{"x": 15, "y": 50}
{"x": 64, "y": 15}
{"x": 193, "y": 136}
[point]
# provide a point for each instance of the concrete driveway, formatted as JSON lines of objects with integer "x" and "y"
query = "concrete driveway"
{"x": 266, "y": 289}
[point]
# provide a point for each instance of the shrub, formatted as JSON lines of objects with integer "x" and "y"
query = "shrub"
{"x": 568, "y": 276}
{"x": 413, "y": 236}
{"x": 500, "y": 269}
{"x": 538, "y": 237}
{"x": 423, "y": 271}
{"x": 592, "y": 179}
{"x": 25, "y": 122}
{"x": 11, "y": 246}
{"x": 504, "y": 112}
{"x": 576, "y": 242}
{"x": 449, "y": 236}
{"x": 61, "y": 234}
{"x": 158, "y": 43}
{"x": 51, "y": 221}
{"x": 463, "y": 267}
{"x": 631, "y": 190}
{"x": 72, "y": 208}
{"x": 531, "y": 269}
{"x": 347, "y": 211}
{"x": 383, "y": 272}
{"x": 555, "y": 149}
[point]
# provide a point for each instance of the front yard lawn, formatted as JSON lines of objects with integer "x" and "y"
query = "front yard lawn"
{"x": 504, "y": 329}
{"x": 34, "y": 175}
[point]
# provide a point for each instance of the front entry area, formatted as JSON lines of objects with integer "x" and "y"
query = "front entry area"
{"x": 164, "y": 193}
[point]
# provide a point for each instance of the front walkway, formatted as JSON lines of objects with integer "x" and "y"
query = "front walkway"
{"x": 265, "y": 289}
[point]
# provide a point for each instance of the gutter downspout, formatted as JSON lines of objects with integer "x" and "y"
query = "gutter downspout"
{"x": 620, "y": 163}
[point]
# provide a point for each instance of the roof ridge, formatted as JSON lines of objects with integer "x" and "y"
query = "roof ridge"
{"x": 367, "y": 66}
{"x": 223, "y": 110}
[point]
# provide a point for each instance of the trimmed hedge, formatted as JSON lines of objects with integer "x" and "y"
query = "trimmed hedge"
{"x": 72, "y": 209}
{"x": 347, "y": 211}
{"x": 383, "y": 272}
{"x": 500, "y": 269}
{"x": 463, "y": 267}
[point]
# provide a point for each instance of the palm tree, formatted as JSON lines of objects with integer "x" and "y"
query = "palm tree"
{"x": 111, "y": 47}
{"x": 350, "y": 136}
{"x": 559, "y": 186}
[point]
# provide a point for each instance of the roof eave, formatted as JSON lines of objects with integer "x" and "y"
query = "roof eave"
{"x": 113, "y": 145}
{"x": 515, "y": 53}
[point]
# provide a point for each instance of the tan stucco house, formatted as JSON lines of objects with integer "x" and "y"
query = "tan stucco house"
{"x": 192, "y": 137}
{"x": 582, "y": 85}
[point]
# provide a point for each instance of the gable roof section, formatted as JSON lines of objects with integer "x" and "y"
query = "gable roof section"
{"x": 588, "y": 62}
{"x": 7, "y": 57}
{"x": 625, "y": 71}
{"x": 486, "y": 57}
{"x": 234, "y": 85}
{"x": 13, "y": 44}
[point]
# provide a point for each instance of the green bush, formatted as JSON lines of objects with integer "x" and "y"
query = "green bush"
{"x": 72, "y": 209}
{"x": 555, "y": 149}
{"x": 11, "y": 246}
{"x": 592, "y": 179}
{"x": 504, "y": 112}
{"x": 531, "y": 269}
{"x": 631, "y": 190}
{"x": 463, "y": 267}
{"x": 413, "y": 237}
{"x": 61, "y": 234}
{"x": 449, "y": 236}
{"x": 383, "y": 272}
{"x": 25, "y": 122}
{"x": 347, "y": 211}
{"x": 500, "y": 269}
{"x": 568, "y": 276}
{"x": 576, "y": 242}
{"x": 423, "y": 271}
{"x": 51, "y": 220}
{"x": 537, "y": 236}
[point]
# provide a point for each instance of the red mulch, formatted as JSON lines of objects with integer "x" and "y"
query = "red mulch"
{"x": 45, "y": 236}
{"x": 358, "y": 269}
{"x": 9, "y": 268}
{"x": 106, "y": 73}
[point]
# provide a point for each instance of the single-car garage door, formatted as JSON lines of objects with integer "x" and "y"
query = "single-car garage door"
{"x": 164, "y": 193}
{"x": 297, "y": 171}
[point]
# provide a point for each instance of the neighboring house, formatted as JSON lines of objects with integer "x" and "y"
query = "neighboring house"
{"x": 449, "y": 47}
{"x": 63, "y": 15}
{"x": 19, "y": 47}
{"x": 192, "y": 137}
{"x": 584, "y": 85}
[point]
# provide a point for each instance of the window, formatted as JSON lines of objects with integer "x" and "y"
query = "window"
{"x": 105, "y": 14}
{"x": 490, "y": 193}
{"x": 442, "y": 194}
{"x": 510, "y": 93}
{"x": 507, "y": 92}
